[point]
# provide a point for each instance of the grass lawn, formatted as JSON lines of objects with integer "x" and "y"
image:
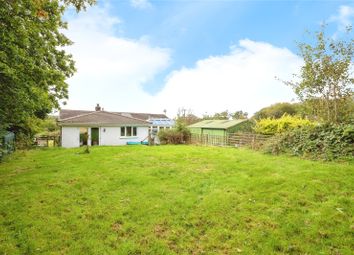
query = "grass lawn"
{"x": 173, "y": 200}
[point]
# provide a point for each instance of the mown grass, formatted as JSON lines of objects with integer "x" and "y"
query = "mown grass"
{"x": 173, "y": 200}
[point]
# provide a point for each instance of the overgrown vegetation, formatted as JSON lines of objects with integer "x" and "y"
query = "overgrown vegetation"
{"x": 276, "y": 111}
{"x": 37, "y": 127}
{"x": 173, "y": 200}
{"x": 327, "y": 141}
{"x": 48, "y": 126}
{"x": 272, "y": 126}
{"x": 33, "y": 65}
{"x": 177, "y": 135}
{"x": 325, "y": 80}
{"x": 324, "y": 87}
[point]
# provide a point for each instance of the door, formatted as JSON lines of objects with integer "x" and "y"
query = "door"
{"x": 95, "y": 136}
{"x": 83, "y": 136}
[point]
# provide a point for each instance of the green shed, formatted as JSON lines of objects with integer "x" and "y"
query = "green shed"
{"x": 221, "y": 127}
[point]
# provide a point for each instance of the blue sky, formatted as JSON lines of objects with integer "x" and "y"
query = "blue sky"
{"x": 162, "y": 50}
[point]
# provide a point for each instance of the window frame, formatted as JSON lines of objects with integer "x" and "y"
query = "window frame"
{"x": 133, "y": 131}
{"x": 122, "y": 131}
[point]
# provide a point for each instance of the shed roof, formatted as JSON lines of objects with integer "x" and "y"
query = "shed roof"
{"x": 217, "y": 124}
{"x": 102, "y": 117}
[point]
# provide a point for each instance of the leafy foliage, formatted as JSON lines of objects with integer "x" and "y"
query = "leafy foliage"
{"x": 325, "y": 81}
{"x": 239, "y": 115}
{"x": 186, "y": 116}
{"x": 327, "y": 141}
{"x": 48, "y": 126}
{"x": 33, "y": 64}
{"x": 226, "y": 115}
{"x": 285, "y": 123}
{"x": 178, "y": 135}
{"x": 277, "y": 110}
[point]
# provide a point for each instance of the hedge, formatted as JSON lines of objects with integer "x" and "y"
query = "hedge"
{"x": 326, "y": 141}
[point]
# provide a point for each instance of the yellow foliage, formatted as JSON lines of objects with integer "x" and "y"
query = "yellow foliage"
{"x": 272, "y": 126}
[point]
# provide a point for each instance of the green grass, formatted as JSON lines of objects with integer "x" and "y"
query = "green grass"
{"x": 173, "y": 200}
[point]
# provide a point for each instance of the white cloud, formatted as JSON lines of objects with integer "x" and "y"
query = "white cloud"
{"x": 111, "y": 69}
{"x": 140, "y": 4}
{"x": 244, "y": 79}
{"x": 344, "y": 17}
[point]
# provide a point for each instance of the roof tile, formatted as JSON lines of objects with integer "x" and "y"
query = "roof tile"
{"x": 101, "y": 118}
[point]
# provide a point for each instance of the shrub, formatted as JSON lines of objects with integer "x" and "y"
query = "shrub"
{"x": 286, "y": 123}
{"x": 24, "y": 141}
{"x": 327, "y": 141}
{"x": 170, "y": 136}
{"x": 178, "y": 135}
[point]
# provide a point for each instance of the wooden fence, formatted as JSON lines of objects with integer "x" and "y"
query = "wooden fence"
{"x": 234, "y": 140}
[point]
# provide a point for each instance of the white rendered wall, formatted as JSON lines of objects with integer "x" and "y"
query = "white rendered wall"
{"x": 70, "y": 137}
{"x": 111, "y": 136}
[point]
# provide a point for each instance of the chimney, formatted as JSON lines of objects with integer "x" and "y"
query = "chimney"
{"x": 98, "y": 108}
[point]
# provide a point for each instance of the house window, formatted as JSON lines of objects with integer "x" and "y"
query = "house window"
{"x": 128, "y": 131}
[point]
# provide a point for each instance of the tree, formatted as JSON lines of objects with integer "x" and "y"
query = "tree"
{"x": 325, "y": 81}
{"x": 33, "y": 64}
{"x": 186, "y": 116}
{"x": 239, "y": 115}
{"x": 48, "y": 126}
{"x": 226, "y": 115}
{"x": 277, "y": 110}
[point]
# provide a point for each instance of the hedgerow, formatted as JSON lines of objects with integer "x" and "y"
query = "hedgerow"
{"x": 326, "y": 141}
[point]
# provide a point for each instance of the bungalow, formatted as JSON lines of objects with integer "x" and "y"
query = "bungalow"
{"x": 100, "y": 127}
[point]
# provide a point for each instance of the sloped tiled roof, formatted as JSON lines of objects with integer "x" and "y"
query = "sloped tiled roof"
{"x": 217, "y": 124}
{"x": 64, "y": 114}
{"x": 101, "y": 118}
{"x": 143, "y": 116}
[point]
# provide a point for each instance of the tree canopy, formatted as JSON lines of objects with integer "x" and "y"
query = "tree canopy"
{"x": 226, "y": 115}
{"x": 33, "y": 63}
{"x": 325, "y": 82}
{"x": 277, "y": 110}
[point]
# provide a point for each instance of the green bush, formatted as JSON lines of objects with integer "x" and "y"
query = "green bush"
{"x": 327, "y": 141}
{"x": 286, "y": 123}
{"x": 170, "y": 136}
{"x": 24, "y": 141}
{"x": 177, "y": 135}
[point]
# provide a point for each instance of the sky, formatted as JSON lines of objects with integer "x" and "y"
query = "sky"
{"x": 205, "y": 56}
